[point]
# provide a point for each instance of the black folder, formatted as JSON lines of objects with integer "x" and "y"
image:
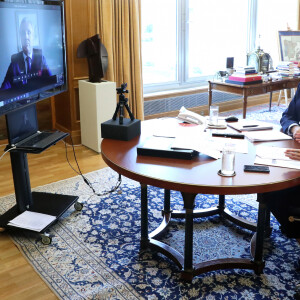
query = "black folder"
{"x": 162, "y": 147}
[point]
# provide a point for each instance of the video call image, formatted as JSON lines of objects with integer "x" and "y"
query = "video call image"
{"x": 31, "y": 51}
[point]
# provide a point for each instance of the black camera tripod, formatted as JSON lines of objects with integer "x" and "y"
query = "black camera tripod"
{"x": 122, "y": 102}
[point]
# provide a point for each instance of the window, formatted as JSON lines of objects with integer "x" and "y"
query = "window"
{"x": 159, "y": 41}
{"x": 207, "y": 49}
{"x": 185, "y": 42}
{"x": 272, "y": 16}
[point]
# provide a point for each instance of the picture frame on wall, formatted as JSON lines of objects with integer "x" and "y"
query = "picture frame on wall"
{"x": 289, "y": 45}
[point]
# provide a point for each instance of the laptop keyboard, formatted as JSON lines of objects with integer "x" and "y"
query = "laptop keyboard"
{"x": 35, "y": 139}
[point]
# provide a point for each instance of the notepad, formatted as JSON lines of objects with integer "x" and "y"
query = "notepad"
{"x": 32, "y": 221}
{"x": 261, "y": 136}
{"x": 250, "y": 125}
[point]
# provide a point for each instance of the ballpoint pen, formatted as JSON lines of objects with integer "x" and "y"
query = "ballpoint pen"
{"x": 245, "y": 126}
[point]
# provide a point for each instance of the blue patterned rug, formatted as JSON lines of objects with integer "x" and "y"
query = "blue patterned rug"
{"x": 94, "y": 253}
{"x": 260, "y": 112}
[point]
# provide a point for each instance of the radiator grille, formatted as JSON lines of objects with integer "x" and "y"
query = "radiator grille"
{"x": 153, "y": 107}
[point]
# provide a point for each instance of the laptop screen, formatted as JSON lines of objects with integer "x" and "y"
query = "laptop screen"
{"x": 21, "y": 124}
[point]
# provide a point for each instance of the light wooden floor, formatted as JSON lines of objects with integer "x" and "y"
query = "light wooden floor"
{"x": 18, "y": 280}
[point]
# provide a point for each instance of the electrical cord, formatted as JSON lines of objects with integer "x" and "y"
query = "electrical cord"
{"x": 13, "y": 147}
{"x": 84, "y": 178}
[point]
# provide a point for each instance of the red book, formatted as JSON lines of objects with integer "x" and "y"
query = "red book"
{"x": 245, "y": 79}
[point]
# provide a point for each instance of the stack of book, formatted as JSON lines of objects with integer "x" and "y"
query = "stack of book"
{"x": 288, "y": 69}
{"x": 244, "y": 76}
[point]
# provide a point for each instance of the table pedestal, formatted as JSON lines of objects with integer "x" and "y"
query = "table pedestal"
{"x": 185, "y": 262}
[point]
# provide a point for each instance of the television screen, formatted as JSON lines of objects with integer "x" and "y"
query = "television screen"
{"x": 32, "y": 53}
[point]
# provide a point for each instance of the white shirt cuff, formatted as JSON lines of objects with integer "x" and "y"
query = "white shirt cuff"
{"x": 290, "y": 127}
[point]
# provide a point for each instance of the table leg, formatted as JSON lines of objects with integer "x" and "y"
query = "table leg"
{"x": 209, "y": 95}
{"x": 221, "y": 205}
{"x": 270, "y": 104}
{"x": 245, "y": 105}
{"x": 189, "y": 204}
{"x": 260, "y": 234}
{"x": 167, "y": 205}
{"x": 144, "y": 217}
{"x": 166, "y": 213}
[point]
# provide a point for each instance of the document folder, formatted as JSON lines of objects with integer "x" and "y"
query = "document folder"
{"x": 162, "y": 147}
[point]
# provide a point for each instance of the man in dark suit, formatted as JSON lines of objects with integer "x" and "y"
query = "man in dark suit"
{"x": 286, "y": 203}
{"x": 27, "y": 64}
{"x": 291, "y": 117}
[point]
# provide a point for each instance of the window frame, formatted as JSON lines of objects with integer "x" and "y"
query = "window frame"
{"x": 183, "y": 82}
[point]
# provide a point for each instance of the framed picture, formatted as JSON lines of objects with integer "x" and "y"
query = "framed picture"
{"x": 289, "y": 45}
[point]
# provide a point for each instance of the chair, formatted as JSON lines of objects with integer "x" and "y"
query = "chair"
{"x": 285, "y": 96}
{"x": 294, "y": 213}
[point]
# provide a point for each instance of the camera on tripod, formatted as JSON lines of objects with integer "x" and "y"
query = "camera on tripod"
{"x": 122, "y": 90}
{"x": 122, "y": 102}
{"x": 121, "y": 128}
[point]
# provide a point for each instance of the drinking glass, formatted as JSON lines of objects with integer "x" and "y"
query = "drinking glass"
{"x": 228, "y": 159}
{"x": 213, "y": 114}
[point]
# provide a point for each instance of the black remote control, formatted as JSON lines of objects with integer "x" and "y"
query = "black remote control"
{"x": 252, "y": 168}
{"x": 230, "y": 135}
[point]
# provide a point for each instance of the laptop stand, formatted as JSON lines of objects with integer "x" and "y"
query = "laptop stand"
{"x": 46, "y": 203}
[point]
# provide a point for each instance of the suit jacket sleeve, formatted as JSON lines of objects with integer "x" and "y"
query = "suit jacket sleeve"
{"x": 16, "y": 67}
{"x": 292, "y": 113}
{"x": 7, "y": 82}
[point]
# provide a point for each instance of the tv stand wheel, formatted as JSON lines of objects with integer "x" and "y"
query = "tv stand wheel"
{"x": 78, "y": 206}
{"x": 46, "y": 239}
{"x": 2, "y": 229}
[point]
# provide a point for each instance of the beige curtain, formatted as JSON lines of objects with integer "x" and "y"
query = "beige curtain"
{"x": 120, "y": 32}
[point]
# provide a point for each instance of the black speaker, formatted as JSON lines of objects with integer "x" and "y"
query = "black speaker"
{"x": 111, "y": 129}
{"x": 229, "y": 62}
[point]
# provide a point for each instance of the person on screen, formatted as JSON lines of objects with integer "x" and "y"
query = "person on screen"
{"x": 286, "y": 203}
{"x": 29, "y": 63}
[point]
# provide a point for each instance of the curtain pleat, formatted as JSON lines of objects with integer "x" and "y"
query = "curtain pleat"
{"x": 120, "y": 32}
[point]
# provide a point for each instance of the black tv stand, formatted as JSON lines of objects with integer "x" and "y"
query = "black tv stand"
{"x": 46, "y": 203}
{"x": 41, "y": 202}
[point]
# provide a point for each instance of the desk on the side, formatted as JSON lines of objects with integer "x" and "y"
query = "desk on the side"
{"x": 252, "y": 89}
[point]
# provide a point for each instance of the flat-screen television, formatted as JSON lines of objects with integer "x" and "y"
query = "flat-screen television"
{"x": 32, "y": 52}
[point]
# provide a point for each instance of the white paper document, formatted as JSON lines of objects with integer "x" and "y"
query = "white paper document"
{"x": 292, "y": 164}
{"x": 262, "y": 136}
{"x": 165, "y": 127}
{"x": 208, "y": 145}
{"x": 170, "y": 127}
{"x": 275, "y": 156}
{"x": 198, "y": 143}
{"x": 272, "y": 152}
{"x": 32, "y": 220}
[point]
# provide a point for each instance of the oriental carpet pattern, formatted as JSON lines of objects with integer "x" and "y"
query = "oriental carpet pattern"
{"x": 94, "y": 253}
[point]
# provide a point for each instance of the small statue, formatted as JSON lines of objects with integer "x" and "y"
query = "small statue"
{"x": 97, "y": 57}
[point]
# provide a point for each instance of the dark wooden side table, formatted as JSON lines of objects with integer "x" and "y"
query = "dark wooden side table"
{"x": 192, "y": 177}
{"x": 251, "y": 89}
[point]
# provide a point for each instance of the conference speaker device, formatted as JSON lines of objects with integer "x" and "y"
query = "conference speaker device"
{"x": 120, "y": 128}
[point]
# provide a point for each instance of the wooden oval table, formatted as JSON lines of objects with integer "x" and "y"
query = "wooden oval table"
{"x": 199, "y": 176}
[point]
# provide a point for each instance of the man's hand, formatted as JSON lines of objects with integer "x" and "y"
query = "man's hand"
{"x": 295, "y": 130}
{"x": 293, "y": 153}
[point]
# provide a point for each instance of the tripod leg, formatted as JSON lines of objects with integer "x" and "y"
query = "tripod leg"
{"x": 130, "y": 113}
{"x": 116, "y": 112}
{"x": 121, "y": 114}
